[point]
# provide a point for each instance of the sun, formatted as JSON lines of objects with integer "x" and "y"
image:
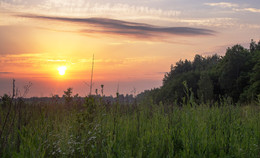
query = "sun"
{"x": 62, "y": 70}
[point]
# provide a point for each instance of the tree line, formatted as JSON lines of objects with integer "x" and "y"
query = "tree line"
{"x": 236, "y": 75}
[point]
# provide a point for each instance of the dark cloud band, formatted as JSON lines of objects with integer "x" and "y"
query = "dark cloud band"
{"x": 6, "y": 72}
{"x": 125, "y": 28}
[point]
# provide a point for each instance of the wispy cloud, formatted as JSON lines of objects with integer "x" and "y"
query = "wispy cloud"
{"x": 253, "y": 10}
{"x": 55, "y": 60}
{"x": 222, "y": 4}
{"x": 124, "y": 28}
{"x": 87, "y": 8}
{"x": 235, "y": 7}
{"x": 138, "y": 12}
{"x": 210, "y": 22}
{"x": 5, "y": 73}
{"x": 19, "y": 61}
{"x": 161, "y": 73}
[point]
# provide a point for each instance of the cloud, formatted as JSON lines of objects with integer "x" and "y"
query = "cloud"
{"x": 54, "y": 60}
{"x": 253, "y": 10}
{"x": 222, "y": 4}
{"x": 124, "y": 28}
{"x": 161, "y": 72}
{"x": 5, "y": 73}
{"x": 87, "y": 8}
{"x": 235, "y": 7}
{"x": 42, "y": 77}
{"x": 210, "y": 22}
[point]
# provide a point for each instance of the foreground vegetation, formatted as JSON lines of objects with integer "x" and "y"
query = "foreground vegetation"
{"x": 94, "y": 128}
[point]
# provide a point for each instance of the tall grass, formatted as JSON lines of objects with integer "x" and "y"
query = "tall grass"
{"x": 98, "y": 129}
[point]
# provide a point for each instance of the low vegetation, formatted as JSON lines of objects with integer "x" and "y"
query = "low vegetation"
{"x": 98, "y": 129}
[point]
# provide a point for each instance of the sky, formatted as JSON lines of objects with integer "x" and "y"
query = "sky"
{"x": 134, "y": 42}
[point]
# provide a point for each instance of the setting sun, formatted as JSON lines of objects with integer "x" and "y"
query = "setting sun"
{"x": 62, "y": 70}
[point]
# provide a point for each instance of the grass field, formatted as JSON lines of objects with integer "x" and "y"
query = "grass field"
{"x": 98, "y": 129}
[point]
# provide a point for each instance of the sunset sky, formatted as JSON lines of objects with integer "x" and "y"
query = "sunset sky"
{"x": 134, "y": 42}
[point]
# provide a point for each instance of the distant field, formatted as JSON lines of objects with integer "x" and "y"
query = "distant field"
{"x": 98, "y": 129}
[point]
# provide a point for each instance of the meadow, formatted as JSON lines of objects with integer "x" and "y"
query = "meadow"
{"x": 96, "y": 128}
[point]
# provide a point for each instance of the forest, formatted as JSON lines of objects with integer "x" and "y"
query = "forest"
{"x": 236, "y": 76}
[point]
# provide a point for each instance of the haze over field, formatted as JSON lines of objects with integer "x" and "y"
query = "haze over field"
{"x": 51, "y": 42}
